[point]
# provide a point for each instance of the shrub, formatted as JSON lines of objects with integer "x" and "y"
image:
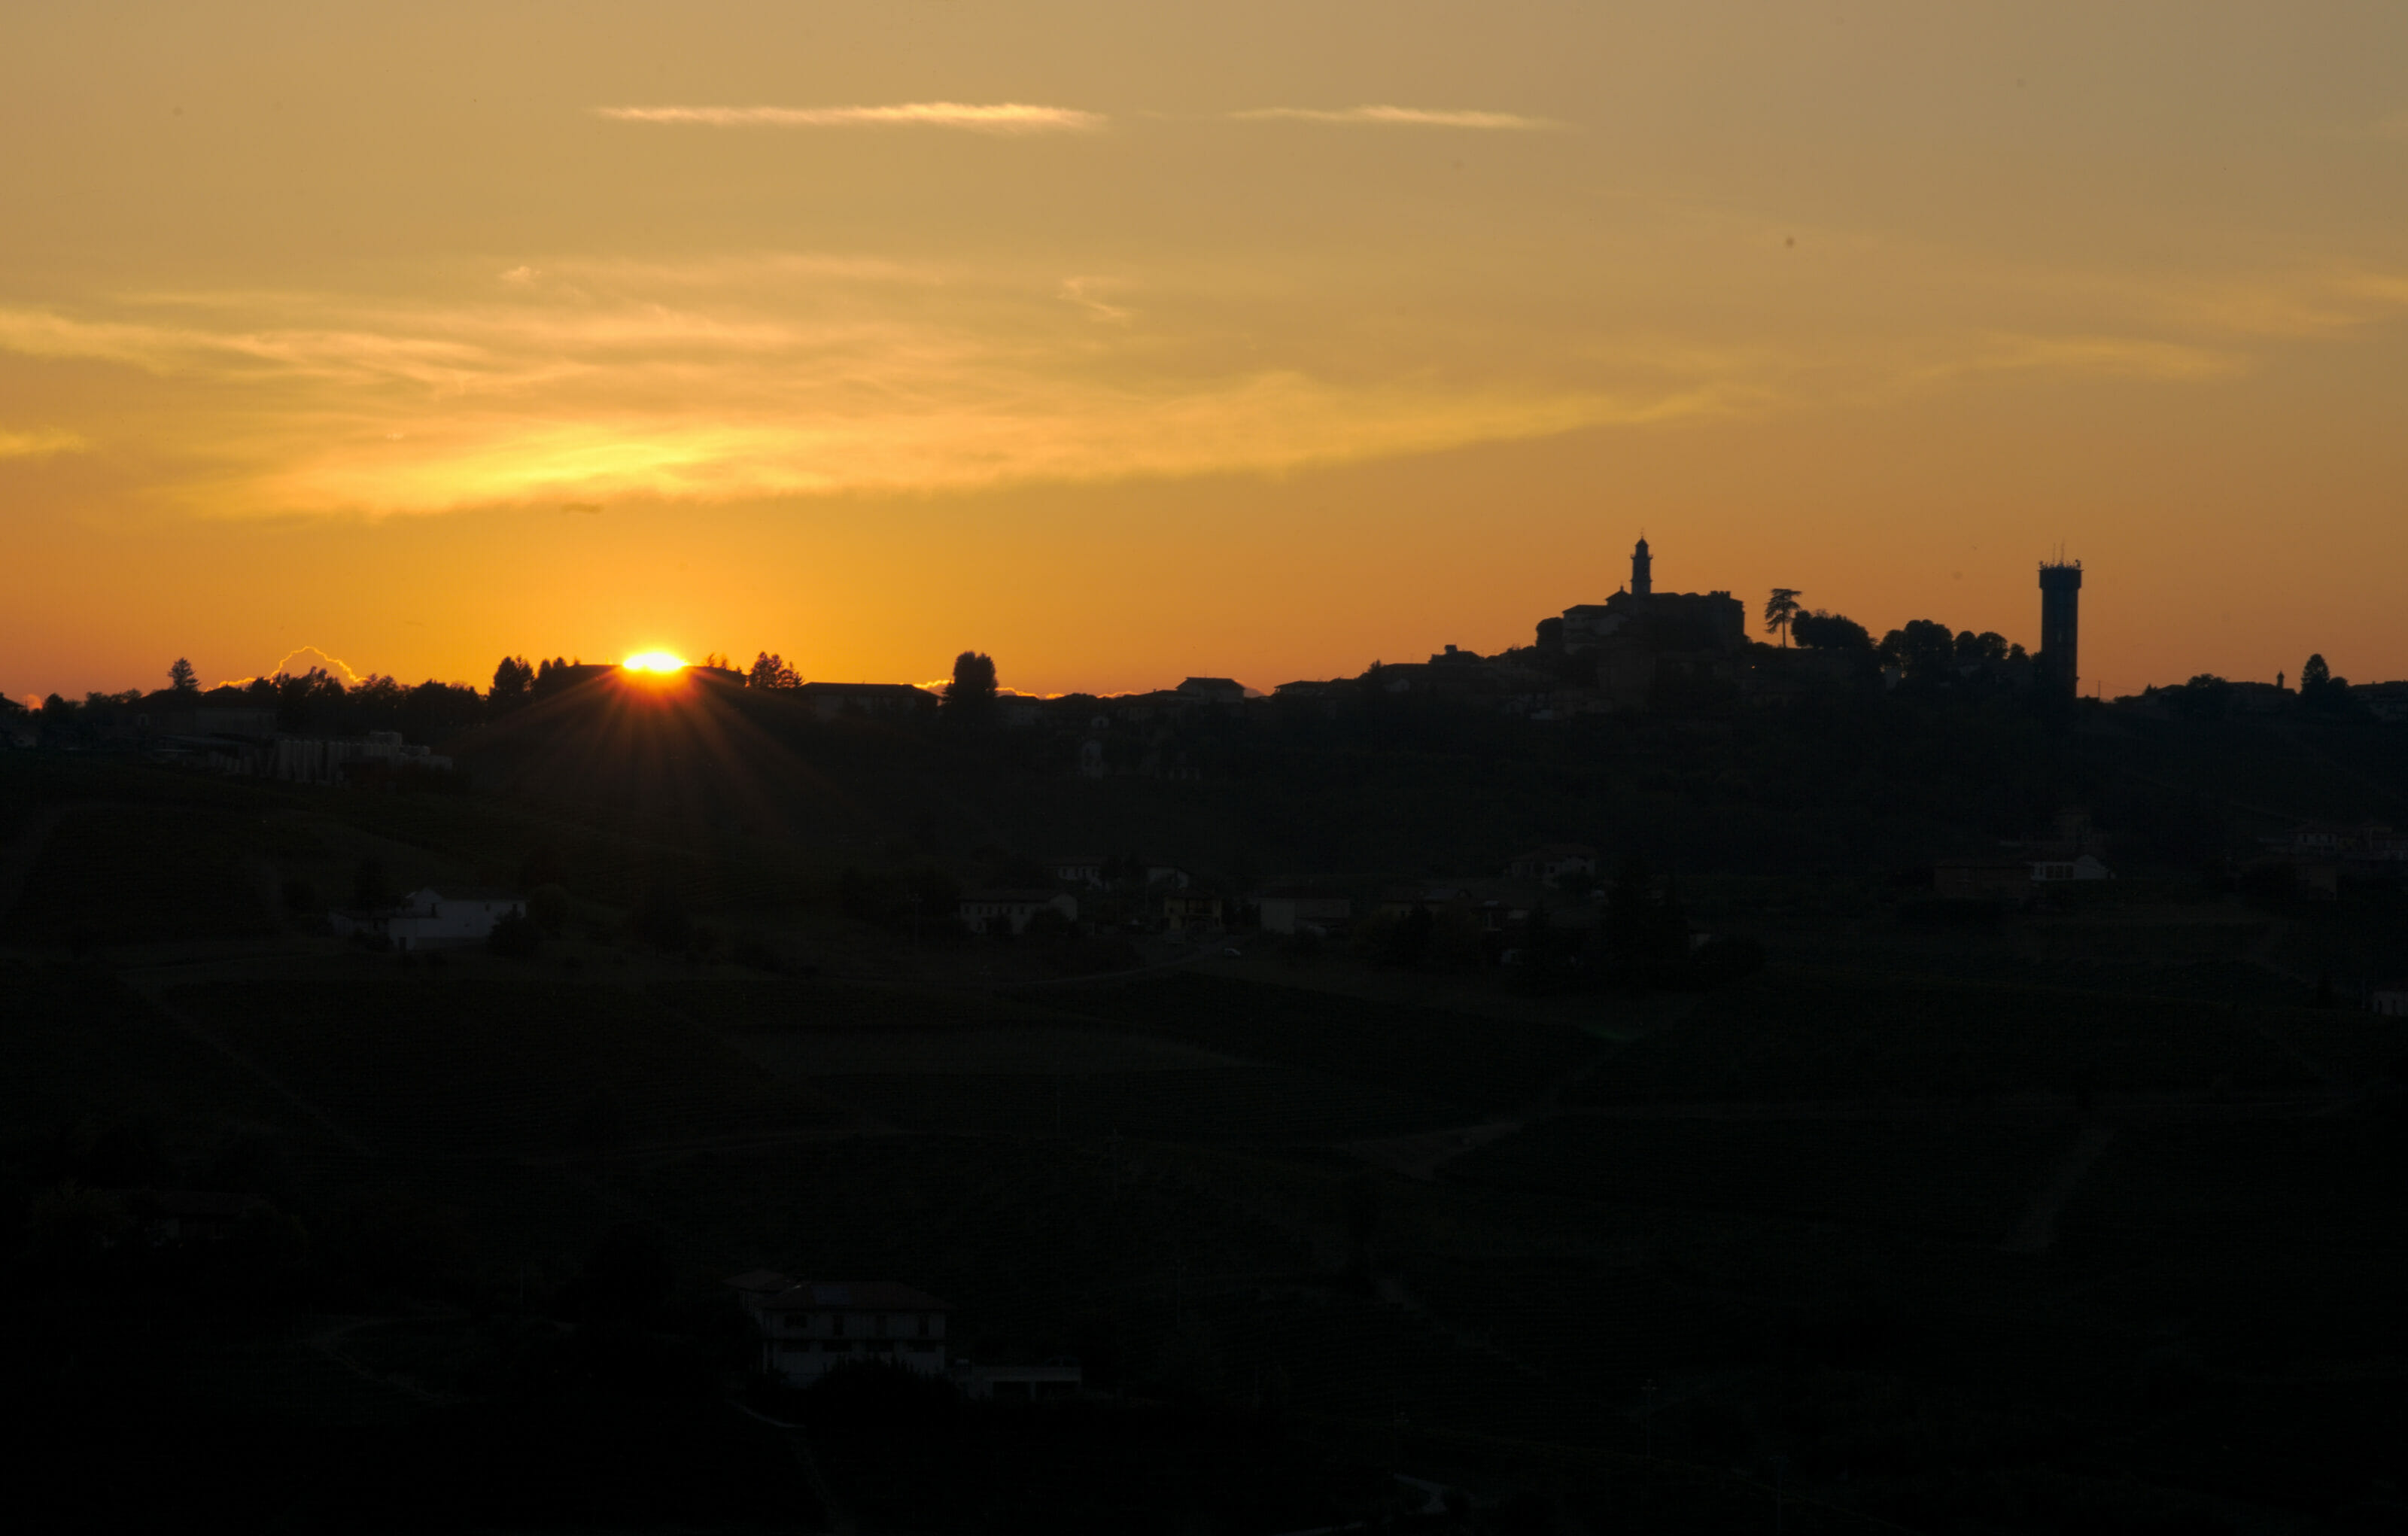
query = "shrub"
{"x": 548, "y": 904}
{"x": 515, "y": 937}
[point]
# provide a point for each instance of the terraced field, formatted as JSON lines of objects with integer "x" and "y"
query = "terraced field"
{"x": 1830, "y": 1037}
{"x": 1042, "y": 1050}
{"x": 1243, "y": 1103}
{"x": 1475, "y": 1061}
{"x": 77, "y": 1046}
{"x": 122, "y": 874}
{"x": 1960, "y": 1179}
{"x": 484, "y": 1068}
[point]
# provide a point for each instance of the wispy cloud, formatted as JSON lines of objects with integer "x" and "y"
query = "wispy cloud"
{"x": 1080, "y": 292}
{"x": 623, "y": 382}
{"x": 1005, "y": 117}
{"x": 39, "y": 443}
{"x": 735, "y": 376}
{"x": 1411, "y": 117}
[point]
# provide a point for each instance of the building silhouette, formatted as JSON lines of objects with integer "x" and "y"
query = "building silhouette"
{"x": 1657, "y": 649}
{"x": 2060, "y": 624}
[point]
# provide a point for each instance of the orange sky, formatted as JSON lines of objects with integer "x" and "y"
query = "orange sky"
{"x": 1129, "y": 342}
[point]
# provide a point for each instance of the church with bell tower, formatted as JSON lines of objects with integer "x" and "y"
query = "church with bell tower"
{"x": 1685, "y": 621}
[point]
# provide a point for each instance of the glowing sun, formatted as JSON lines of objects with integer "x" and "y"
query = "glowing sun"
{"x": 654, "y": 661}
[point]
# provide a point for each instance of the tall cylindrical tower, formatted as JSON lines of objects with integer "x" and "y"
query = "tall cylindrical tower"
{"x": 2060, "y": 624}
{"x": 1643, "y": 580}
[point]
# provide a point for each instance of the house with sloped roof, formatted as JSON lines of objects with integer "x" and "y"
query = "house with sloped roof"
{"x": 808, "y": 1328}
{"x": 830, "y": 699}
{"x": 1552, "y": 862}
{"x": 981, "y": 910}
{"x": 433, "y": 918}
{"x": 1214, "y": 690}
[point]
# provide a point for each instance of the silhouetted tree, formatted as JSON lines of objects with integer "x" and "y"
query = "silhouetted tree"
{"x": 1824, "y": 631}
{"x": 769, "y": 670}
{"x": 1646, "y": 930}
{"x": 2320, "y": 689}
{"x": 970, "y": 698}
{"x": 1925, "y": 648}
{"x": 1781, "y": 609}
{"x": 371, "y": 887}
{"x": 514, "y": 937}
{"x": 1989, "y": 646}
{"x": 309, "y": 700}
{"x": 180, "y": 679}
{"x": 513, "y": 681}
{"x": 660, "y": 919}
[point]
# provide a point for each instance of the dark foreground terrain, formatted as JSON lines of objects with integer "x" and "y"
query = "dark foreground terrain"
{"x": 2086, "y": 1219}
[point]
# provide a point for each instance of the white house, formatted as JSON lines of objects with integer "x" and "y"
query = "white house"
{"x": 1553, "y": 862}
{"x": 1299, "y": 910}
{"x": 979, "y": 910}
{"x": 2086, "y": 867}
{"x": 1080, "y": 869}
{"x": 809, "y": 1327}
{"x": 312, "y": 762}
{"x": 435, "y": 919}
{"x": 2390, "y": 1000}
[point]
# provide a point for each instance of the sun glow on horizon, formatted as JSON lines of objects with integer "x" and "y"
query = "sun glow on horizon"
{"x": 657, "y": 662}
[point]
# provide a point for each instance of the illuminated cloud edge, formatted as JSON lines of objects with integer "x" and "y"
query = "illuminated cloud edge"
{"x": 1005, "y": 117}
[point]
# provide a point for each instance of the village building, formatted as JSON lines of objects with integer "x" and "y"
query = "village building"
{"x": 432, "y": 918}
{"x": 981, "y": 910}
{"x": 830, "y": 699}
{"x": 1186, "y": 913}
{"x": 1214, "y": 690}
{"x": 1982, "y": 880}
{"x": 1551, "y": 863}
{"x": 2083, "y": 867}
{"x": 1080, "y": 869}
{"x": 303, "y": 760}
{"x": 1302, "y": 909}
{"x": 808, "y": 1328}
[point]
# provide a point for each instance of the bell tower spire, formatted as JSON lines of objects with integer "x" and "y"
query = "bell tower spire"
{"x": 1643, "y": 580}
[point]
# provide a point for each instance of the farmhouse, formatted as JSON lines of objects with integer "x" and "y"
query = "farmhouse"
{"x": 1080, "y": 869}
{"x": 1974, "y": 879}
{"x": 1301, "y": 909}
{"x": 808, "y": 1328}
{"x": 2086, "y": 867}
{"x": 981, "y": 910}
{"x": 1192, "y": 913}
{"x": 430, "y": 918}
{"x": 829, "y": 700}
{"x": 1553, "y": 862}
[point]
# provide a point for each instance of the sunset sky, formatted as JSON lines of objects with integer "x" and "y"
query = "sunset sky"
{"x": 1128, "y": 341}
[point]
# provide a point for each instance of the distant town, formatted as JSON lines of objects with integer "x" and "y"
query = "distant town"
{"x": 1639, "y": 651}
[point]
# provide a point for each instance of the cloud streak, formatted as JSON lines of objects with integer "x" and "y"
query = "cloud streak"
{"x": 1005, "y": 117}
{"x": 40, "y": 444}
{"x": 732, "y": 377}
{"x": 1407, "y": 117}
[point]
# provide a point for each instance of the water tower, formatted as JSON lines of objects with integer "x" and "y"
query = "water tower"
{"x": 2060, "y": 623}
